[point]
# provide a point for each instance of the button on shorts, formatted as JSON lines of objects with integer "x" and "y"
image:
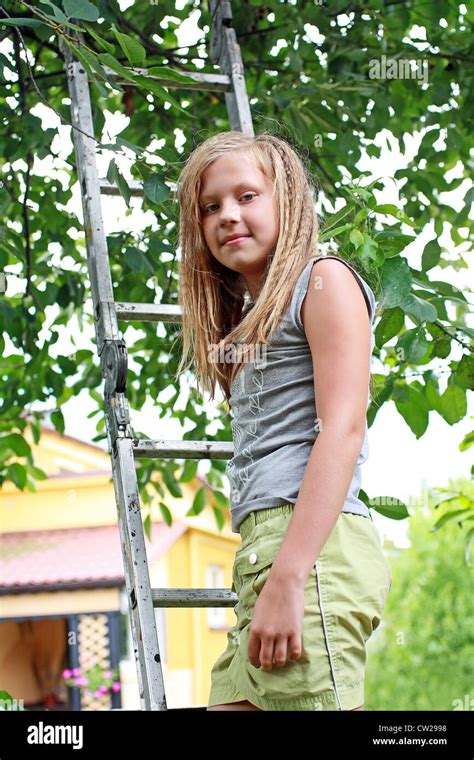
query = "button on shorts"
{"x": 345, "y": 595}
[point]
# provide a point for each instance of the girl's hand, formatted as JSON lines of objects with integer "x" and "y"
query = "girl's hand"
{"x": 275, "y": 630}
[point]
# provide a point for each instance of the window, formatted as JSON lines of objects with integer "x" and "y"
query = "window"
{"x": 215, "y": 615}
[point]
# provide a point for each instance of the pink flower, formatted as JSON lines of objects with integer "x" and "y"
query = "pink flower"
{"x": 67, "y": 673}
{"x": 116, "y": 686}
{"x": 76, "y": 672}
{"x": 97, "y": 693}
{"x": 81, "y": 682}
{"x": 108, "y": 674}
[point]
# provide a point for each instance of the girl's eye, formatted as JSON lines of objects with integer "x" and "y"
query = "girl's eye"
{"x": 207, "y": 208}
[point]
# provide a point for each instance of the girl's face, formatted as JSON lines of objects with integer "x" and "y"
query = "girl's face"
{"x": 236, "y": 199}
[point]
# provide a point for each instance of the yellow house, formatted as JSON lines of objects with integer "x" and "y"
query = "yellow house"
{"x": 63, "y": 601}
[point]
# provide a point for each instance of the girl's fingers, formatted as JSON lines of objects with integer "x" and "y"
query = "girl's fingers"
{"x": 280, "y": 654}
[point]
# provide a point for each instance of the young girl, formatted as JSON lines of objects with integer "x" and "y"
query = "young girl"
{"x": 294, "y": 364}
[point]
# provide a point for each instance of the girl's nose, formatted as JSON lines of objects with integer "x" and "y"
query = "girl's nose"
{"x": 230, "y": 211}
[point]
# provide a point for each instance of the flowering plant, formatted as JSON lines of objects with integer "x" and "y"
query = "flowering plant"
{"x": 97, "y": 681}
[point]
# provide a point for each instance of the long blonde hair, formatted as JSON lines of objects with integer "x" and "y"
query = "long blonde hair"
{"x": 210, "y": 294}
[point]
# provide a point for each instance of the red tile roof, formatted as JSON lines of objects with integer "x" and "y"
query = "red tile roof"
{"x": 73, "y": 557}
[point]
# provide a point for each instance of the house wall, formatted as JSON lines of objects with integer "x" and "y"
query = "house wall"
{"x": 79, "y": 493}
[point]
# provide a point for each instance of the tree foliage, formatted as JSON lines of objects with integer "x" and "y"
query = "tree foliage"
{"x": 421, "y": 657}
{"x": 308, "y": 76}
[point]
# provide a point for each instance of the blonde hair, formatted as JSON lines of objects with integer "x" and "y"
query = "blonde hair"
{"x": 210, "y": 294}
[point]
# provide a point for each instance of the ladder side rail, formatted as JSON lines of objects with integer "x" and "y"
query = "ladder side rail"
{"x": 112, "y": 350}
{"x": 96, "y": 243}
{"x": 147, "y": 654}
{"x": 133, "y": 609}
{"x": 225, "y": 51}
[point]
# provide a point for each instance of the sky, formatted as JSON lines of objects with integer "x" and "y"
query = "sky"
{"x": 398, "y": 465}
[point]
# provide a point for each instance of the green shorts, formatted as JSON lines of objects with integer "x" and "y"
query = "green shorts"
{"x": 345, "y": 594}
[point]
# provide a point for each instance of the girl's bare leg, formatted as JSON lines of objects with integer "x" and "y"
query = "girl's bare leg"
{"x": 244, "y": 704}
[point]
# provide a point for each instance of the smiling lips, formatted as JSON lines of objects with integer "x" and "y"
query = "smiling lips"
{"x": 236, "y": 239}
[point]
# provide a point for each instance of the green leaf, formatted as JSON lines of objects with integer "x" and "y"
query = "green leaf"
{"x": 133, "y": 49}
{"x": 168, "y": 73}
{"x": 115, "y": 176}
{"x": 58, "y": 15}
{"x": 157, "y": 89}
{"x": 58, "y": 420}
{"x": 356, "y": 238}
{"x": 453, "y": 404}
{"x": 81, "y": 9}
{"x": 334, "y": 232}
{"x": 171, "y": 483}
{"x": 155, "y": 189}
{"x": 361, "y": 216}
{"x": 413, "y": 407}
{"x": 95, "y": 65}
{"x": 38, "y": 474}
{"x": 389, "y": 506}
{"x": 32, "y": 22}
{"x": 17, "y": 473}
{"x": 449, "y": 291}
{"x": 396, "y": 281}
{"x": 112, "y": 63}
{"x": 189, "y": 470}
{"x": 431, "y": 255}
{"x": 137, "y": 261}
{"x": 391, "y": 210}
{"x": 221, "y": 498}
{"x": 199, "y": 502}
{"x": 464, "y": 373}
{"x": 147, "y": 526}
{"x": 454, "y": 514}
{"x": 368, "y": 250}
{"x": 392, "y": 242}
{"x": 166, "y": 513}
{"x": 412, "y": 346}
{"x": 334, "y": 220}
{"x": 390, "y": 324}
{"x": 16, "y": 443}
{"x": 104, "y": 44}
{"x": 220, "y": 520}
{"x": 419, "y": 308}
{"x": 131, "y": 146}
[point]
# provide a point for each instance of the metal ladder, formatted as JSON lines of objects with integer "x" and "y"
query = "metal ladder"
{"x": 123, "y": 447}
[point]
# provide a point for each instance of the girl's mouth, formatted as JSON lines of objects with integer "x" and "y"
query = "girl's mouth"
{"x": 234, "y": 241}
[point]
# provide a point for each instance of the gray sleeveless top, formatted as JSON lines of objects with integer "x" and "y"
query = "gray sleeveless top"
{"x": 274, "y": 415}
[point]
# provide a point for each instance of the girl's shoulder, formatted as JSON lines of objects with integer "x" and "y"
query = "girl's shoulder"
{"x": 302, "y": 285}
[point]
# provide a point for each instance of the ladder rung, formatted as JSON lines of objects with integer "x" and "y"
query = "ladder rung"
{"x": 148, "y": 312}
{"x": 162, "y": 449}
{"x": 135, "y": 185}
{"x": 108, "y": 188}
{"x": 200, "y": 80}
{"x": 193, "y": 597}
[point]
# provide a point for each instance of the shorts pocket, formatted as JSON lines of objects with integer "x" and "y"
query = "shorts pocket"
{"x": 253, "y": 564}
